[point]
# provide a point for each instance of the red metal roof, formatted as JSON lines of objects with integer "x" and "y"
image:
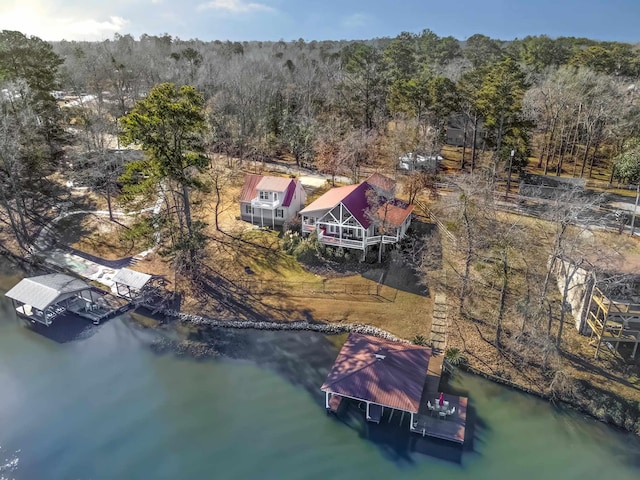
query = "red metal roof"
{"x": 380, "y": 371}
{"x": 288, "y": 194}
{"x": 249, "y": 191}
{"x": 254, "y": 183}
{"x": 358, "y": 204}
{"x": 394, "y": 212}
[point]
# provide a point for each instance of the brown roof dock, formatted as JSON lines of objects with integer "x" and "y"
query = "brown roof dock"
{"x": 398, "y": 376}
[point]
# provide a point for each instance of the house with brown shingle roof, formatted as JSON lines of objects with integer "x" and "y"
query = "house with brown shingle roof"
{"x": 270, "y": 201}
{"x": 357, "y": 216}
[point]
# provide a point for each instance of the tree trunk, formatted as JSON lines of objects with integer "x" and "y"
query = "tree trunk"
{"x": 467, "y": 261}
{"x": 543, "y": 146}
{"x": 498, "y": 145}
{"x": 503, "y": 297}
{"x": 552, "y": 134}
{"x": 473, "y": 142}
{"x": 586, "y": 155}
{"x": 187, "y": 208}
{"x": 563, "y": 146}
{"x": 596, "y": 145}
{"x": 464, "y": 141}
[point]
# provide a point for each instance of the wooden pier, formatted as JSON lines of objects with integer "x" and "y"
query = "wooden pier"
{"x": 438, "y": 424}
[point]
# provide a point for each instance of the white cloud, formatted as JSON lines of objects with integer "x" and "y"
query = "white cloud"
{"x": 356, "y": 20}
{"x": 235, "y": 6}
{"x": 33, "y": 17}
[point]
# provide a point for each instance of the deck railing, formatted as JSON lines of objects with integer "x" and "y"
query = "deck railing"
{"x": 340, "y": 242}
{"x": 257, "y": 203}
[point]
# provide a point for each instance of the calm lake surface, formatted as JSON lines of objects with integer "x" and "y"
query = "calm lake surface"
{"x": 88, "y": 402}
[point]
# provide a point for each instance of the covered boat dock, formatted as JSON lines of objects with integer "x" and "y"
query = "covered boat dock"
{"x": 383, "y": 374}
{"x": 44, "y": 298}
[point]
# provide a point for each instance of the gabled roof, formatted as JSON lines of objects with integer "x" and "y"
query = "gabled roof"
{"x": 274, "y": 184}
{"x": 254, "y": 183}
{"x": 382, "y": 182}
{"x": 329, "y": 199}
{"x": 356, "y": 200}
{"x": 380, "y": 371}
{"x": 249, "y": 191}
{"x": 358, "y": 204}
{"x": 131, "y": 278}
{"x": 42, "y": 291}
{"x": 394, "y": 212}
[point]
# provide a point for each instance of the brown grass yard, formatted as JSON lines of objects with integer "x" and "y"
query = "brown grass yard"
{"x": 248, "y": 275}
{"x": 97, "y": 235}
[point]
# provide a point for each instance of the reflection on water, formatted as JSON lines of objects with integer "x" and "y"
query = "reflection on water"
{"x": 104, "y": 406}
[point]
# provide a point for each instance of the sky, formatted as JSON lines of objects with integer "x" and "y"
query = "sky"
{"x": 239, "y": 20}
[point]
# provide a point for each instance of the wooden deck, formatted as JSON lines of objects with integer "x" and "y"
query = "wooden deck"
{"x": 434, "y": 372}
{"x": 451, "y": 428}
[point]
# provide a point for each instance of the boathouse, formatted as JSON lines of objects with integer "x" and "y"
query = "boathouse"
{"x": 43, "y": 298}
{"x": 129, "y": 283}
{"x": 382, "y": 374}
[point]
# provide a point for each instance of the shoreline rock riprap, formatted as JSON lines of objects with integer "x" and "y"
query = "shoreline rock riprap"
{"x": 328, "y": 328}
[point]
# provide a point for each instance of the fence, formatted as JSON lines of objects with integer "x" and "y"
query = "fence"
{"x": 442, "y": 228}
{"x": 270, "y": 287}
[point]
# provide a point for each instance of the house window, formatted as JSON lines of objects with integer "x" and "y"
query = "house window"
{"x": 279, "y": 213}
{"x": 248, "y": 209}
{"x": 275, "y": 197}
{"x": 264, "y": 195}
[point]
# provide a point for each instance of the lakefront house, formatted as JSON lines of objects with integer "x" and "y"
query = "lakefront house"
{"x": 357, "y": 216}
{"x": 270, "y": 201}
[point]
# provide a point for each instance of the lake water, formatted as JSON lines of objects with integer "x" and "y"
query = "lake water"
{"x": 86, "y": 402}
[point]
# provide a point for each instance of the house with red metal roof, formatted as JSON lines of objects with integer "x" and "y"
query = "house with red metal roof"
{"x": 270, "y": 201}
{"x": 357, "y": 216}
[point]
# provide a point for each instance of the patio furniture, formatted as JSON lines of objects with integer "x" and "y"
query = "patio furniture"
{"x": 442, "y": 415}
{"x": 452, "y": 411}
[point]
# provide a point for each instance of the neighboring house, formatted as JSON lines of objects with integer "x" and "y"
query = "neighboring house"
{"x": 270, "y": 201}
{"x": 357, "y": 216}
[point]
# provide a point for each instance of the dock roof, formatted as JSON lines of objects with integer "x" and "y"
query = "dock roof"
{"x": 380, "y": 371}
{"x": 131, "y": 278}
{"x": 42, "y": 291}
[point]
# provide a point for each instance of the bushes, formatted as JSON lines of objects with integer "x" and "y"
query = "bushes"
{"x": 305, "y": 250}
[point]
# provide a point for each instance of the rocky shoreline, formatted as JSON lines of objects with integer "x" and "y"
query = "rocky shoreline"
{"x": 619, "y": 412}
{"x": 327, "y": 328}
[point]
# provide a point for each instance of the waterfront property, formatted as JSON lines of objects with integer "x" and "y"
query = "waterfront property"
{"x": 44, "y": 298}
{"x": 358, "y": 216}
{"x": 129, "y": 283}
{"x": 270, "y": 201}
{"x": 382, "y": 374}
